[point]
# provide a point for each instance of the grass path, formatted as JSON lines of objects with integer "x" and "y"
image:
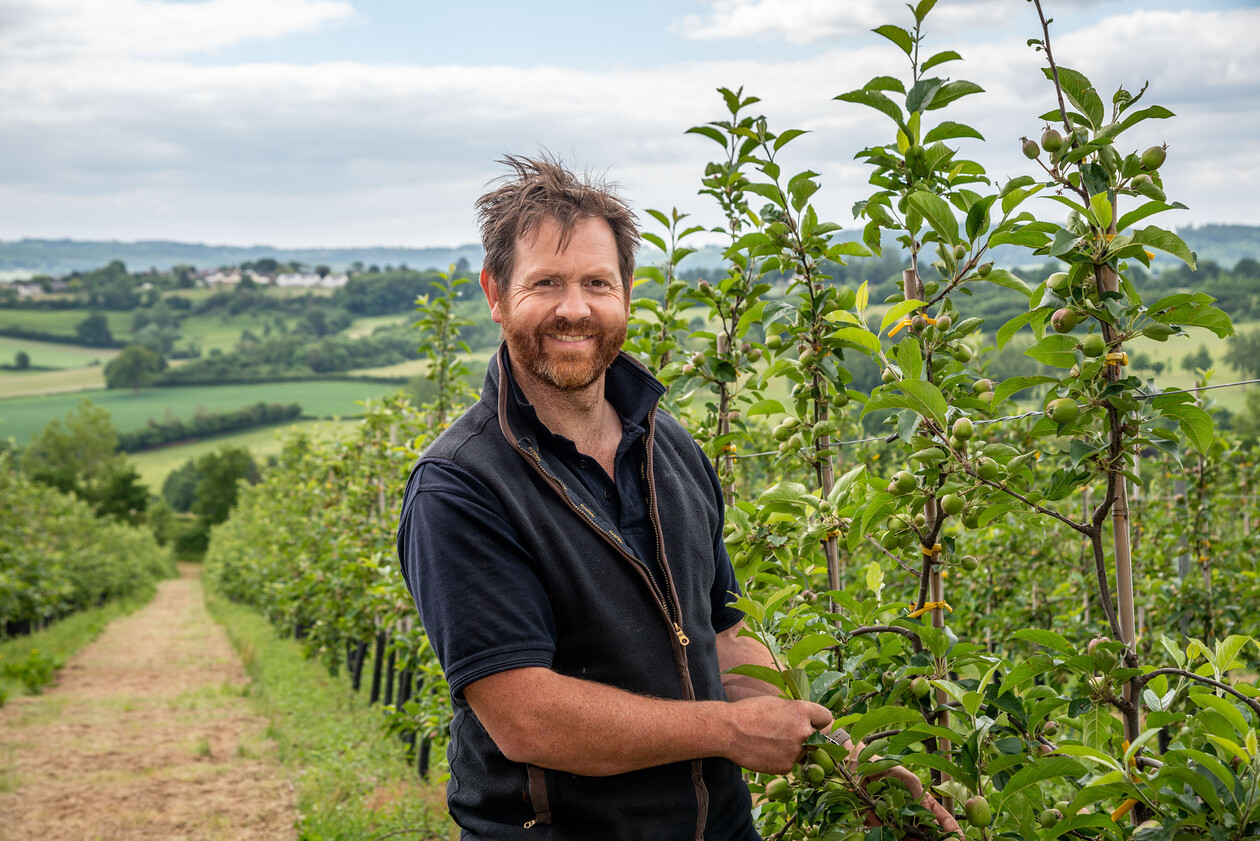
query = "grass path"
{"x": 146, "y": 735}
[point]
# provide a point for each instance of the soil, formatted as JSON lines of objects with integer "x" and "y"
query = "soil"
{"x": 145, "y": 735}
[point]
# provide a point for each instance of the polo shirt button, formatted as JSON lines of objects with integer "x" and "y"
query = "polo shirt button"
{"x": 608, "y": 495}
{"x": 582, "y": 464}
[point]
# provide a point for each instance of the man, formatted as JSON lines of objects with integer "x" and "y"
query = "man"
{"x": 563, "y": 542}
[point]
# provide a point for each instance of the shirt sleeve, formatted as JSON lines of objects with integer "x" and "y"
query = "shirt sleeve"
{"x": 725, "y": 584}
{"x": 482, "y": 606}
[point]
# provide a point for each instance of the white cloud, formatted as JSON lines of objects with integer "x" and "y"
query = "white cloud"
{"x": 98, "y": 145}
{"x": 807, "y": 21}
{"x": 43, "y": 29}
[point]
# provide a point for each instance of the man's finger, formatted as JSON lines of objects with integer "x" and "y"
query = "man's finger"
{"x": 820, "y": 717}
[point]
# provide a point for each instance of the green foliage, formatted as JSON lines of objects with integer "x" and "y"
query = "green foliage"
{"x": 1243, "y": 353}
{"x": 57, "y": 557}
{"x": 947, "y": 591}
{"x": 134, "y": 367}
{"x": 218, "y": 485}
{"x": 94, "y": 330}
{"x": 79, "y": 455}
{"x": 206, "y": 423}
{"x": 312, "y": 548}
{"x": 296, "y": 355}
{"x": 34, "y": 673}
{"x": 439, "y": 323}
{"x": 1200, "y": 360}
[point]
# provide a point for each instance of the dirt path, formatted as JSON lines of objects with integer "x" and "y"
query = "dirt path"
{"x": 145, "y": 736}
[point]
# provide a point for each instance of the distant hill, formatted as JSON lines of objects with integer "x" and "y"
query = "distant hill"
{"x": 1222, "y": 244}
{"x": 62, "y": 256}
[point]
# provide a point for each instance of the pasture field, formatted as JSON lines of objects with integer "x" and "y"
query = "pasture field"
{"x": 61, "y": 381}
{"x": 1173, "y": 351}
{"x": 63, "y": 321}
{"x": 50, "y": 355}
{"x": 365, "y": 326}
{"x": 419, "y": 367}
{"x": 222, "y": 332}
{"x": 155, "y": 465}
{"x": 20, "y": 417}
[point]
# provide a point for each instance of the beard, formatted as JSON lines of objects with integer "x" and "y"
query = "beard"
{"x": 571, "y": 370}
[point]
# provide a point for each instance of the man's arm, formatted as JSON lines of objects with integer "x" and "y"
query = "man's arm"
{"x": 542, "y": 718}
{"x": 735, "y": 650}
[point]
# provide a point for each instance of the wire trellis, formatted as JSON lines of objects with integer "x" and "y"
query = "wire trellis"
{"x": 888, "y": 439}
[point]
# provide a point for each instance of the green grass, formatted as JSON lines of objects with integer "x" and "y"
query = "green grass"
{"x": 63, "y": 321}
{"x": 1175, "y": 349}
{"x": 63, "y": 639}
{"x": 36, "y": 383}
{"x": 223, "y": 331}
{"x": 351, "y": 780}
{"x": 364, "y": 326}
{"x": 155, "y": 465}
{"x": 20, "y": 417}
{"x": 476, "y": 361}
{"x": 49, "y": 355}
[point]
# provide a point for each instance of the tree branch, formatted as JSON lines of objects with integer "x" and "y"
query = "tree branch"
{"x": 900, "y": 562}
{"x": 1142, "y": 680}
{"x": 1104, "y": 588}
{"x": 889, "y": 629}
{"x": 1067, "y": 521}
{"x": 1058, "y": 89}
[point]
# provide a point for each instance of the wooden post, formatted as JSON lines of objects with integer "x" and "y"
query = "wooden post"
{"x": 1183, "y": 556}
{"x": 377, "y": 664}
{"x": 1109, "y": 281}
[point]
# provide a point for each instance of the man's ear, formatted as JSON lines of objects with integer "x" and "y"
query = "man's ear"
{"x": 491, "y": 289}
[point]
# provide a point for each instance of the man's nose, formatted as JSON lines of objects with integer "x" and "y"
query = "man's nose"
{"x": 573, "y": 304}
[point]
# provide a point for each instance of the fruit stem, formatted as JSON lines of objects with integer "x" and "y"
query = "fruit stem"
{"x": 1058, "y": 89}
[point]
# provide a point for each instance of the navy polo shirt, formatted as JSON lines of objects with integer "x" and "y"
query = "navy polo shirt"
{"x": 448, "y": 515}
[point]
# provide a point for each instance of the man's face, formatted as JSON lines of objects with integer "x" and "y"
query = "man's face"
{"x": 564, "y": 313}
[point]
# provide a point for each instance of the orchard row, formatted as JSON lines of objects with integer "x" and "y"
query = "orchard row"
{"x": 1042, "y": 605}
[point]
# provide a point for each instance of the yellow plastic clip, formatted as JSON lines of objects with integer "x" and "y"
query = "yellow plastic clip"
{"x": 1125, "y": 808}
{"x": 730, "y": 448}
{"x": 832, "y": 534}
{"x": 930, "y": 606}
{"x": 905, "y": 322}
{"x": 1118, "y": 358}
{"x": 935, "y": 550}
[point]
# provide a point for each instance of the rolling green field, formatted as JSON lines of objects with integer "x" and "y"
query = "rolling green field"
{"x": 35, "y": 383}
{"x": 20, "y": 417}
{"x": 1173, "y": 351}
{"x": 223, "y": 331}
{"x": 49, "y": 355}
{"x": 220, "y": 332}
{"x": 365, "y": 326}
{"x": 155, "y": 465}
{"x": 418, "y": 367}
{"x": 63, "y": 321}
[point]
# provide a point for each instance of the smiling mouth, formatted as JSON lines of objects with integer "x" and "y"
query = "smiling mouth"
{"x": 561, "y": 338}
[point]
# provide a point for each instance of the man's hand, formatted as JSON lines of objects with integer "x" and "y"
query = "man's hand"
{"x": 915, "y": 786}
{"x": 539, "y": 717}
{"x": 770, "y": 732}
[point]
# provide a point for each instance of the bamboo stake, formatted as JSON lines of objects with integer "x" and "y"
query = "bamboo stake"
{"x": 913, "y": 288}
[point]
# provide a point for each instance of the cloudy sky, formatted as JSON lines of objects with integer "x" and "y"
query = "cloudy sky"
{"x": 377, "y": 122}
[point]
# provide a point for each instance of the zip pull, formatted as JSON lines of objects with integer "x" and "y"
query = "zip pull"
{"x": 530, "y": 824}
{"x": 682, "y": 638}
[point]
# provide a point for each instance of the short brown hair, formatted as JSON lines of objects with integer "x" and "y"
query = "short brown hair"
{"x": 542, "y": 188}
